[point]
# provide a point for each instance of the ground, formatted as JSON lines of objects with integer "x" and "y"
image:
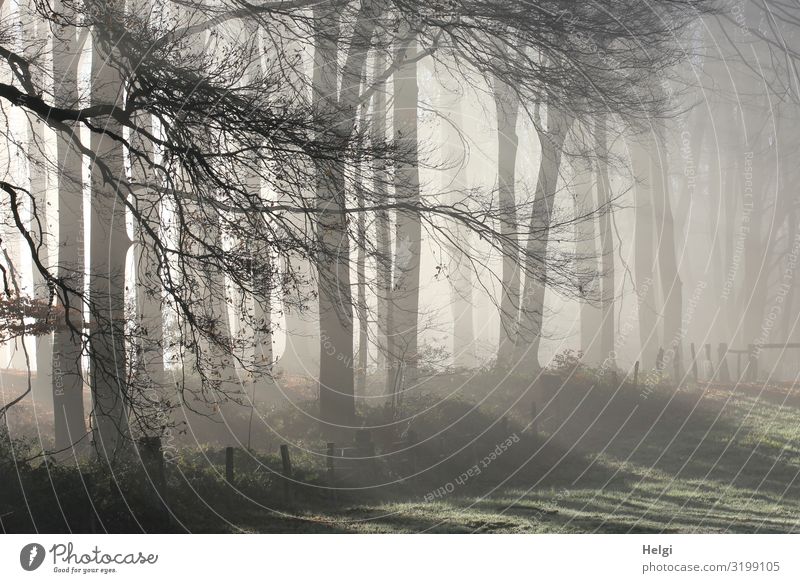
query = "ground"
{"x": 729, "y": 463}
{"x": 699, "y": 458}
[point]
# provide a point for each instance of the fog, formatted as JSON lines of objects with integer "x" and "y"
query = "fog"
{"x": 362, "y": 229}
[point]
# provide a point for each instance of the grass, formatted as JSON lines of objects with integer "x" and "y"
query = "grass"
{"x": 701, "y": 459}
{"x": 729, "y": 463}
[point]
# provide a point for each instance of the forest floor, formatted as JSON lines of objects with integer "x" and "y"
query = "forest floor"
{"x": 606, "y": 459}
{"x": 728, "y": 462}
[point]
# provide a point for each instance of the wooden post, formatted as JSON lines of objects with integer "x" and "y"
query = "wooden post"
{"x": 752, "y": 363}
{"x": 534, "y": 415}
{"x": 677, "y": 363}
{"x": 694, "y": 364}
{"x": 636, "y": 376}
{"x": 229, "y": 465}
{"x": 286, "y": 461}
{"x": 287, "y": 473}
{"x": 660, "y": 362}
{"x": 723, "y": 373}
{"x": 710, "y": 362}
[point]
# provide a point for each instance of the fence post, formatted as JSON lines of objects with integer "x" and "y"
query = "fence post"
{"x": 229, "y": 465}
{"x": 710, "y": 362}
{"x": 694, "y": 363}
{"x": 636, "y": 376}
{"x": 722, "y": 372}
{"x": 677, "y": 363}
{"x": 752, "y": 363}
{"x": 287, "y": 473}
{"x": 534, "y": 415}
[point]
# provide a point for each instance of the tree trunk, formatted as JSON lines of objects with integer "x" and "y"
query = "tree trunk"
{"x": 606, "y": 247}
{"x": 219, "y": 360}
{"x": 507, "y": 109}
{"x": 532, "y": 309}
{"x": 336, "y": 382}
{"x": 756, "y": 245}
{"x": 671, "y": 285}
{"x": 408, "y": 230}
{"x": 361, "y": 285}
{"x": 300, "y": 308}
{"x": 35, "y": 34}
{"x": 383, "y": 235}
{"x": 108, "y": 248}
{"x": 262, "y": 273}
{"x": 68, "y": 381}
{"x": 459, "y": 268}
{"x": 644, "y": 256}
{"x": 586, "y": 260}
{"x": 301, "y": 353}
{"x": 150, "y": 344}
{"x": 336, "y": 390}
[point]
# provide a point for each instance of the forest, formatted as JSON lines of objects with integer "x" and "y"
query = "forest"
{"x": 383, "y": 266}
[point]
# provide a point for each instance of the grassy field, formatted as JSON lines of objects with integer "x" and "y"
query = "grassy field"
{"x": 706, "y": 458}
{"x": 718, "y": 459}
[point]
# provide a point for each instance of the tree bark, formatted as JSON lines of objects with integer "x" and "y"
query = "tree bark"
{"x": 150, "y": 320}
{"x": 336, "y": 382}
{"x": 108, "y": 250}
{"x": 361, "y": 282}
{"x": 68, "y": 378}
{"x": 644, "y": 256}
{"x": 383, "y": 235}
{"x": 35, "y": 34}
{"x": 606, "y": 247}
{"x": 586, "y": 260}
{"x": 507, "y": 106}
{"x": 671, "y": 284}
{"x": 263, "y": 354}
{"x": 459, "y": 269}
{"x": 301, "y": 352}
{"x": 532, "y": 308}
{"x": 408, "y": 230}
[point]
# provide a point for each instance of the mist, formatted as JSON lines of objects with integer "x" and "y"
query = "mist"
{"x": 327, "y": 258}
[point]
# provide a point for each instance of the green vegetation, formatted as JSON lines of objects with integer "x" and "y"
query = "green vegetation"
{"x": 699, "y": 459}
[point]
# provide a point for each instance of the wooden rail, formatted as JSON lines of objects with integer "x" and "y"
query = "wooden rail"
{"x": 750, "y": 372}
